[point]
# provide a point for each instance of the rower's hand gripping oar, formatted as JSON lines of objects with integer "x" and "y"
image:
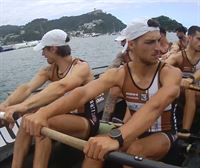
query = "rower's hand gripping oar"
{"x": 122, "y": 158}
{"x": 15, "y": 115}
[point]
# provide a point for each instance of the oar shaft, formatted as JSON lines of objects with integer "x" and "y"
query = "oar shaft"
{"x": 136, "y": 161}
{"x": 118, "y": 157}
{"x": 66, "y": 139}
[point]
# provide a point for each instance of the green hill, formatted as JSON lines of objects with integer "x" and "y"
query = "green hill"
{"x": 92, "y": 22}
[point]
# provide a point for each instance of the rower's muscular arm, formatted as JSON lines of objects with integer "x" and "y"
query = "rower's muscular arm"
{"x": 109, "y": 107}
{"x": 25, "y": 90}
{"x": 57, "y": 89}
{"x": 110, "y": 103}
{"x": 174, "y": 59}
{"x": 147, "y": 115}
{"x": 81, "y": 95}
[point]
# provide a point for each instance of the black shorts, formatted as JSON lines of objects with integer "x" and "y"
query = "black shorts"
{"x": 90, "y": 113}
{"x": 171, "y": 135}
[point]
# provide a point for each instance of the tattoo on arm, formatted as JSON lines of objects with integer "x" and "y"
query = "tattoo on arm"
{"x": 109, "y": 107}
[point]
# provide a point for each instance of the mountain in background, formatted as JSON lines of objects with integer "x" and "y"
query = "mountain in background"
{"x": 167, "y": 23}
{"x": 96, "y": 21}
{"x": 92, "y": 22}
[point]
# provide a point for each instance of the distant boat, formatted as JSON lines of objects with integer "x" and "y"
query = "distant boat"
{"x": 114, "y": 33}
{"x": 6, "y": 48}
{"x": 95, "y": 34}
{"x": 18, "y": 46}
{"x": 25, "y": 44}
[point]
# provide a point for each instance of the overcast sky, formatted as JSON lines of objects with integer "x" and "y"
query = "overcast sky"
{"x": 20, "y": 12}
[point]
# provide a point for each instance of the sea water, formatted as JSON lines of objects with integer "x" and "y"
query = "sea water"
{"x": 19, "y": 66}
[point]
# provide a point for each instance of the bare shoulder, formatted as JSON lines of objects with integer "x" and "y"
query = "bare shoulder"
{"x": 174, "y": 59}
{"x": 46, "y": 70}
{"x": 115, "y": 74}
{"x": 82, "y": 63}
{"x": 171, "y": 72}
{"x": 82, "y": 68}
{"x": 115, "y": 71}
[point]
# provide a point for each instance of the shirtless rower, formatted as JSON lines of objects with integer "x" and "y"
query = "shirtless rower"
{"x": 112, "y": 99}
{"x": 149, "y": 87}
{"x": 179, "y": 45}
{"x": 182, "y": 43}
{"x": 165, "y": 45}
{"x": 188, "y": 61}
{"x": 66, "y": 73}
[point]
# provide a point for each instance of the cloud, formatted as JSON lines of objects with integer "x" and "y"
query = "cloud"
{"x": 19, "y": 12}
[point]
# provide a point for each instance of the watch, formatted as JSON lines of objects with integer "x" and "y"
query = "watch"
{"x": 117, "y": 135}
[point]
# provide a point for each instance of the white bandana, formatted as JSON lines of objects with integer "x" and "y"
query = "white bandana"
{"x": 135, "y": 30}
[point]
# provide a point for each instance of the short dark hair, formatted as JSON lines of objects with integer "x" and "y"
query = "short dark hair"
{"x": 153, "y": 23}
{"x": 181, "y": 29}
{"x": 192, "y": 30}
{"x": 162, "y": 30}
{"x": 63, "y": 51}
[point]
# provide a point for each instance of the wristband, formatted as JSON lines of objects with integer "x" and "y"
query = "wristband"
{"x": 192, "y": 77}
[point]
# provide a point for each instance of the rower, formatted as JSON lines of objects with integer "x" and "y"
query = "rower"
{"x": 115, "y": 106}
{"x": 149, "y": 87}
{"x": 188, "y": 61}
{"x": 66, "y": 73}
{"x": 165, "y": 45}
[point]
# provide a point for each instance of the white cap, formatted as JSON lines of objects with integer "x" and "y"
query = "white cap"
{"x": 54, "y": 37}
{"x": 137, "y": 29}
{"x": 122, "y": 36}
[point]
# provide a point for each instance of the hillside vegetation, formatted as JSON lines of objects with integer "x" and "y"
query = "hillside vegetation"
{"x": 92, "y": 22}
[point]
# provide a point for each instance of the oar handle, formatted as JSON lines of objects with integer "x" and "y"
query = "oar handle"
{"x": 66, "y": 139}
{"x": 184, "y": 135}
{"x": 15, "y": 115}
{"x": 195, "y": 88}
{"x": 188, "y": 136}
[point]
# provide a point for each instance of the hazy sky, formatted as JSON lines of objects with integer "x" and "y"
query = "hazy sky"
{"x": 20, "y": 12}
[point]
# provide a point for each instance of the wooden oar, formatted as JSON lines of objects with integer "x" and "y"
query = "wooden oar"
{"x": 195, "y": 88}
{"x": 119, "y": 157}
{"x": 66, "y": 139}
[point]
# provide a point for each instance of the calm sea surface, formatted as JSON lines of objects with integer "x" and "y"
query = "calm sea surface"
{"x": 19, "y": 66}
